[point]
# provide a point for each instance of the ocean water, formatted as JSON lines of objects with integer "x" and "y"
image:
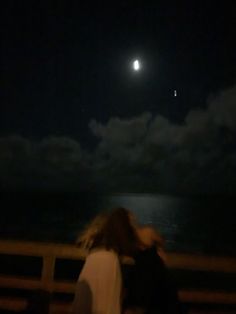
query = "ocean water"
{"x": 196, "y": 225}
{"x": 204, "y": 225}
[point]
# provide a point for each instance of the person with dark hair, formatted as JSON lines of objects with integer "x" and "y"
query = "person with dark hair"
{"x": 99, "y": 286}
{"x": 150, "y": 288}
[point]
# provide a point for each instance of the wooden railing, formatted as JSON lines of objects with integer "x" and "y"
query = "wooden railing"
{"x": 50, "y": 252}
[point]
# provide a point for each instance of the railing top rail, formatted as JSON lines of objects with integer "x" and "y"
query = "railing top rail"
{"x": 41, "y": 249}
{"x": 68, "y": 251}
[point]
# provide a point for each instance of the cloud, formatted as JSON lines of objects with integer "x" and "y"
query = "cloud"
{"x": 51, "y": 162}
{"x": 145, "y": 153}
{"x": 122, "y": 131}
{"x": 64, "y": 154}
{"x": 152, "y": 153}
{"x": 13, "y": 146}
{"x": 222, "y": 108}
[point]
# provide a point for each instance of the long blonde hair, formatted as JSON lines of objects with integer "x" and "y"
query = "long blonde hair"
{"x": 87, "y": 236}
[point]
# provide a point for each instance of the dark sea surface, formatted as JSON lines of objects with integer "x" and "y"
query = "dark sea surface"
{"x": 198, "y": 224}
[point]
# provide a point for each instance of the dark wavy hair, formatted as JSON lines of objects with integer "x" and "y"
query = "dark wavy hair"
{"x": 118, "y": 234}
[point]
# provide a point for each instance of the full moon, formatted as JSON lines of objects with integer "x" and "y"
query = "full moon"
{"x": 136, "y": 65}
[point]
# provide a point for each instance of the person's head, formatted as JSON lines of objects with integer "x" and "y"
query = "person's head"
{"x": 86, "y": 238}
{"x": 118, "y": 234}
{"x": 149, "y": 236}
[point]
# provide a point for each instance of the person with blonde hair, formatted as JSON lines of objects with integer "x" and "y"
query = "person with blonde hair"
{"x": 87, "y": 236}
{"x": 99, "y": 286}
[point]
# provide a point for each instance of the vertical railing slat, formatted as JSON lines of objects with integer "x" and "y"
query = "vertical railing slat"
{"x": 47, "y": 276}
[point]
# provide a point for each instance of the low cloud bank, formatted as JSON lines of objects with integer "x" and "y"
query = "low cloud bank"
{"x": 146, "y": 153}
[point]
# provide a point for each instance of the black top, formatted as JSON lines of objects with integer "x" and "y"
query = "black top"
{"x": 149, "y": 285}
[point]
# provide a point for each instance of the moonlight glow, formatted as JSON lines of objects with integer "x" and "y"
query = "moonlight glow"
{"x": 136, "y": 65}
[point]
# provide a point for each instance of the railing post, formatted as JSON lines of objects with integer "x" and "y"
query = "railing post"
{"x": 47, "y": 276}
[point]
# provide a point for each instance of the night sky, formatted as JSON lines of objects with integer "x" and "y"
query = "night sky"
{"x": 74, "y": 114}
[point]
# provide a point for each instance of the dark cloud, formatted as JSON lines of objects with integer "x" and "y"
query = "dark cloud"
{"x": 61, "y": 153}
{"x": 144, "y": 153}
{"x": 152, "y": 153}
{"x": 15, "y": 153}
{"x": 52, "y": 162}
